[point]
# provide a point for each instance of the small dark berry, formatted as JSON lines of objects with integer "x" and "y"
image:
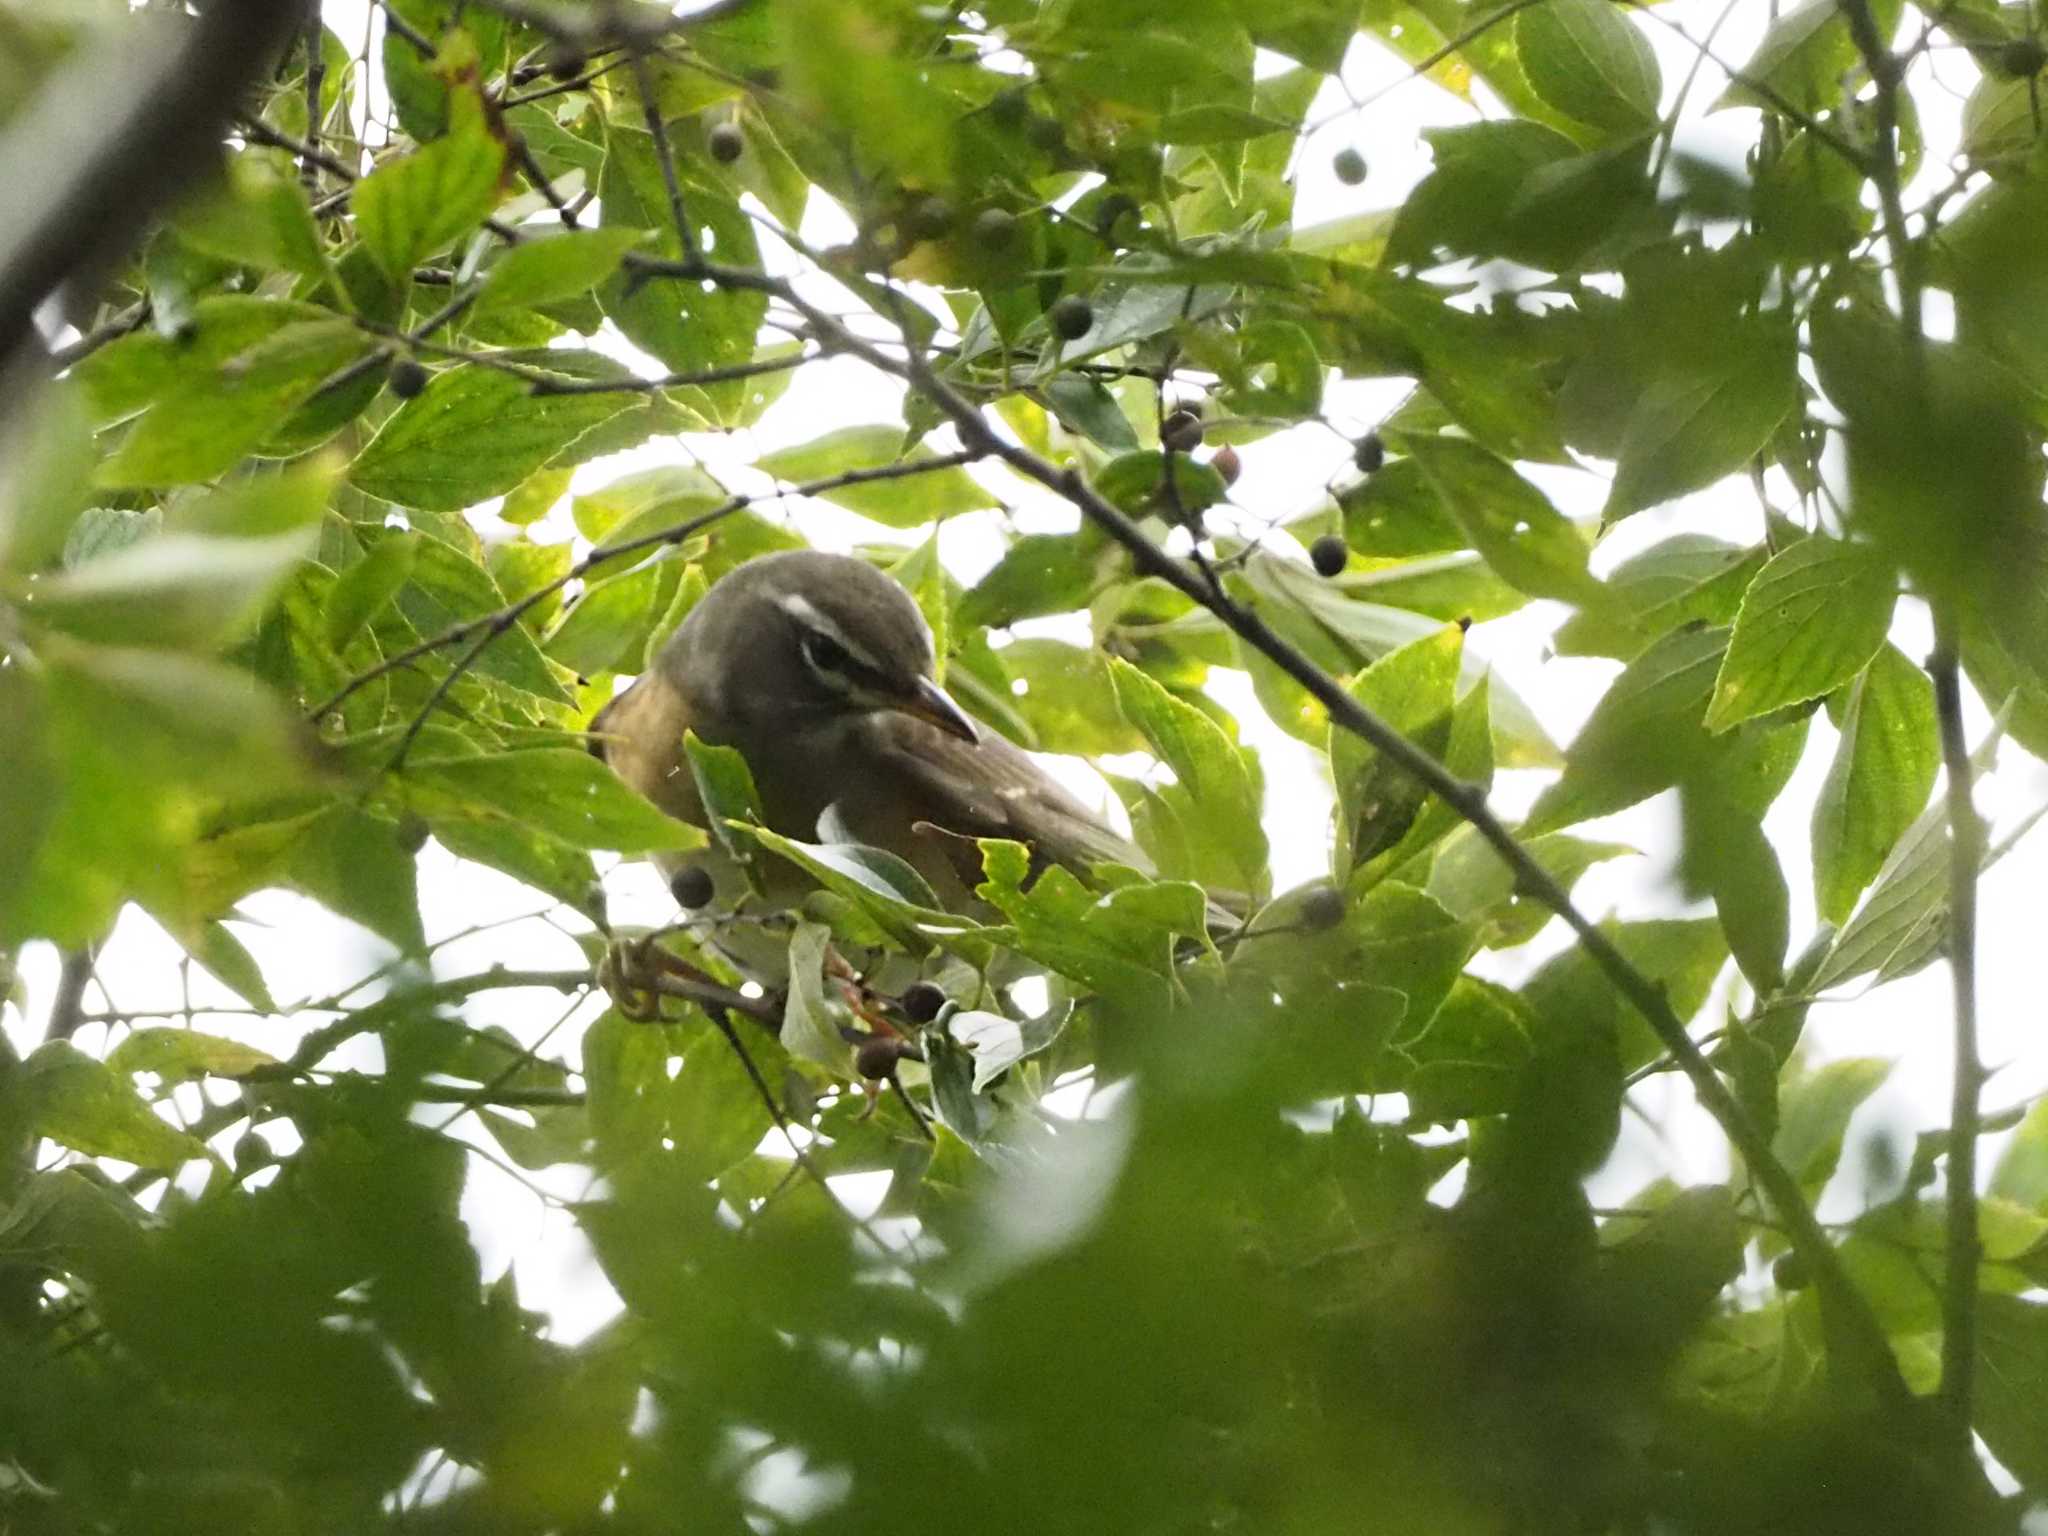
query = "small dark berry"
{"x": 1790, "y": 1274}
{"x": 1046, "y": 134}
{"x": 1071, "y": 317}
{"x": 1322, "y": 907}
{"x": 1349, "y": 165}
{"x": 1115, "y": 208}
{"x": 1227, "y": 464}
{"x": 995, "y": 228}
{"x": 726, "y": 143}
{"x": 565, "y": 61}
{"x": 2021, "y": 58}
{"x": 412, "y": 832}
{"x": 408, "y": 378}
{"x": 1369, "y": 453}
{"x": 1329, "y": 554}
{"x": 929, "y": 218}
{"x": 921, "y": 1001}
{"x": 251, "y": 1152}
{"x": 1181, "y": 432}
{"x": 875, "y": 1058}
{"x": 691, "y": 886}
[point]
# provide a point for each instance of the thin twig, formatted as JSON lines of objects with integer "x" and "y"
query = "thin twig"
{"x": 130, "y": 319}
{"x": 316, "y": 76}
{"x": 398, "y": 26}
{"x": 1963, "y": 1243}
{"x": 257, "y": 131}
{"x": 555, "y": 384}
{"x": 671, "y": 183}
{"x": 506, "y": 617}
{"x": 1965, "y": 1247}
{"x": 67, "y": 1005}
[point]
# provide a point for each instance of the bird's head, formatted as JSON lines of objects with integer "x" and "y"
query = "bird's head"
{"x": 804, "y": 636}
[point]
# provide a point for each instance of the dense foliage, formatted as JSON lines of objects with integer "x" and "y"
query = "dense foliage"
{"x": 292, "y": 581}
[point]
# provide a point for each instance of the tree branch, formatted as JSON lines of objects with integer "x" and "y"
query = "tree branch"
{"x": 115, "y": 136}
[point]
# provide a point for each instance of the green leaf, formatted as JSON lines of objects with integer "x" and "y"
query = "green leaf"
{"x": 1904, "y": 916}
{"x": 449, "y": 588}
{"x": 2022, "y": 1172}
{"x": 1041, "y": 573}
{"x": 725, "y": 787}
{"x": 562, "y": 792}
{"x": 688, "y": 328}
{"x": 1508, "y": 520}
{"x": 1586, "y": 59}
{"x": 611, "y": 621}
{"x": 1812, "y": 619}
{"x": 207, "y": 419}
{"x": 542, "y": 269}
{"x": 1805, "y": 56}
{"x": 229, "y": 962}
{"x": 1729, "y": 858}
{"x": 1882, "y": 773}
{"x": 1681, "y": 580}
{"x": 1119, "y": 944}
{"x": 1468, "y": 1060}
{"x": 473, "y": 433}
{"x": 1643, "y": 735}
{"x": 1397, "y": 511}
{"x": 363, "y": 590}
{"x": 1136, "y": 483}
{"x": 2012, "y": 1389}
{"x": 810, "y": 1019}
{"x": 413, "y": 206}
{"x": 907, "y": 502}
{"x": 175, "y": 590}
{"x": 1411, "y": 690}
{"x": 132, "y": 373}
{"x": 1207, "y": 767}
{"x": 174, "y": 1054}
{"x": 888, "y": 890}
{"x": 1814, "y": 1115}
{"x": 89, "y": 1107}
{"x": 1471, "y": 879}
{"x": 1693, "y": 420}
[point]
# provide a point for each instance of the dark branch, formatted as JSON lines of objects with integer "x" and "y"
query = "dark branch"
{"x": 115, "y": 137}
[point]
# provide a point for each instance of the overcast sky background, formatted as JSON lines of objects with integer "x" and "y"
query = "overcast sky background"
{"x": 307, "y": 953}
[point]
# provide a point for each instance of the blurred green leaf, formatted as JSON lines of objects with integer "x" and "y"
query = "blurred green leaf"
{"x": 85, "y": 1105}
{"x": 1523, "y": 537}
{"x": 1880, "y": 778}
{"x": 1589, "y": 62}
{"x": 210, "y": 418}
{"x": 181, "y": 1053}
{"x": 1644, "y": 734}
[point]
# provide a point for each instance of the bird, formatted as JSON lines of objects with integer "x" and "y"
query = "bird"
{"x": 819, "y": 669}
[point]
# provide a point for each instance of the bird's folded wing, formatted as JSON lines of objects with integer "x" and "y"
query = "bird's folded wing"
{"x": 989, "y": 789}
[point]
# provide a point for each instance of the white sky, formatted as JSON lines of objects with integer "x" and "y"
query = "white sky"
{"x": 308, "y": 953}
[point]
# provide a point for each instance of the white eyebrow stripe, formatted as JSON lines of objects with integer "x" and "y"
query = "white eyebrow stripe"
{"x": 800, "y": 608}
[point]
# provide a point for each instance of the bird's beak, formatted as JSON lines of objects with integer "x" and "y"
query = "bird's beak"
{"x": 929, "y": 702}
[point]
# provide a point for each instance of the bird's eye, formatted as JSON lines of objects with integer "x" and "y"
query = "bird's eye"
{"x": 824, "y": 653}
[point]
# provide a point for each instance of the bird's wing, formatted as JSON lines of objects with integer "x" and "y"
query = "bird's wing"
{"x": 984, "y": 789}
